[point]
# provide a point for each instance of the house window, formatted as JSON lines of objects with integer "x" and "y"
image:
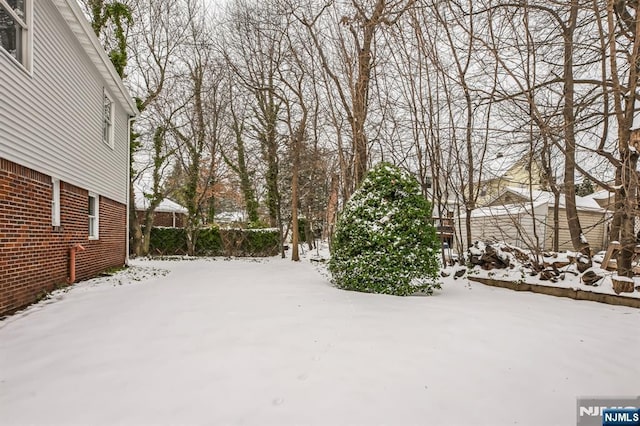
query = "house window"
{"x": 15, "y": 34}
{"x": 107, "y": 120}
{"x": 93, "y": 216}
{"x": 55, "y": 202}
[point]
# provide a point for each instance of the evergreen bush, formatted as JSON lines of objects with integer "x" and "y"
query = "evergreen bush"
{"x": 168, "y": 241}
{"x": 214, "y": 241}
{"x": 384, "y": 240}
{"x": 263, "y": 242}
{"x": 209, "y": 242}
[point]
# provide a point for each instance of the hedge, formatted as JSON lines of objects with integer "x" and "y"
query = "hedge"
{"x": 216, "y": 242}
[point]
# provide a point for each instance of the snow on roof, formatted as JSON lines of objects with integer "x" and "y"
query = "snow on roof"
{"x": 506, "y": 210}
{"x": 165, "y": 206}
{"x": 603, "y": 194}
{"x": 500, "y": 159}
{"x": 582, "y": 203}
{"x": 230, "y": 217}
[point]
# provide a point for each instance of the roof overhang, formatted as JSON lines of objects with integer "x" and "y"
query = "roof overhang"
{"x": 77, "y": 22}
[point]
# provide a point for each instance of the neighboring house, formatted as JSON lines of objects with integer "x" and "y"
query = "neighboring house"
{"x": 517, "y": 216}
{"x": 168, "y": 214}
{"x": 607, "y": 200}
{"x": 64, "y": 151}
{"x": 604, "y": 198}
{"x": 509, "y": 167}
{"x": 230, "y": 217}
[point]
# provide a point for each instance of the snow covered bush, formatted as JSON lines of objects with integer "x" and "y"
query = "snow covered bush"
{"x": 384, "y": 241}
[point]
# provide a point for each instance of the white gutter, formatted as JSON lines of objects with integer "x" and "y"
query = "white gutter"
{"x": 128, "y": 211}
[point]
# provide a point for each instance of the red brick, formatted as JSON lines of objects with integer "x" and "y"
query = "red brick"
{"x": 34, "y": 256}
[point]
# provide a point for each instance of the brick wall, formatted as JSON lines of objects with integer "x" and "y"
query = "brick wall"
{"x": 34, "y": 255}
{"x": 163, "y": 219}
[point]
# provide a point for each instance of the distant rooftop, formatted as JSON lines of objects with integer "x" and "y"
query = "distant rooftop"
{"x": 582, "y": 203}
{"x": 499, "y": 159}
{"x": 166, "y": 205}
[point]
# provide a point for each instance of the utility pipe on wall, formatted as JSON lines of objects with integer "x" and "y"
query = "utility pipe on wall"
{"x": 72, "y": 262}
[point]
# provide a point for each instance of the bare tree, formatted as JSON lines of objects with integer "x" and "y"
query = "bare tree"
{"x": 623, "y": 35}
{"x": 198, "y": 123}
{"x": 251, "y": 46}
{"x": 298, "y": 96}
{"x": 240, "y": 165}
{"x": 159, "y": 33}
{"x": 355, "y": 41}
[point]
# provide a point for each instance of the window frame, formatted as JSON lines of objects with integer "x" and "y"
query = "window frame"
{"x": 107, "y": 119}
{"x": 55, "y": 202}
{"x": 26, "y": 61}
{"x": 94, "y": 232}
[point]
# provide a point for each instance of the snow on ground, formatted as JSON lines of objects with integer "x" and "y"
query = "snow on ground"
{"x": 271, "y": 342}
{"x": 569, "y": 277}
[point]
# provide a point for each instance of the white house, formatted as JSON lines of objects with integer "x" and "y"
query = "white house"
{"x": 64, "y": 151}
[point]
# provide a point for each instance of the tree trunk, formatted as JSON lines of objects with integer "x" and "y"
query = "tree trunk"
{"x": 626, "y": 201}
{"x": 578, "y": 239}
{"x": 471, "y": 200}
{"x": 270, "y": 148}
{"x": 148, "y": 224}
{"x": 295, "y": 235}
{"x": 616, "y": 223}
{"x": 467, "y": 222}
{"x": 627, "y": 233}
{"x": 251, "y": 204}
{"x": 332, "y": 207}
{"x": 134, "y": 224}
{"x": 308, "y": 232}
{"x": 556, "y": 221}
{"x": 360, "y": 103}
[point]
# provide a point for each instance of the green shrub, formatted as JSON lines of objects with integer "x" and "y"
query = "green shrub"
{"x": 165, "y": 241}
{"x": 384, "y": 241}
{"x": 216, "y": 242}
{"x": 257, "y": 225}
{"x": 263, "y": 242}
{"x": 209, "y": 242}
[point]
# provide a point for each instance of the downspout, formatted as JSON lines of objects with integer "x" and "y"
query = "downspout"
{"x": 128, "y": 192}
{"x": 72, "y": 262}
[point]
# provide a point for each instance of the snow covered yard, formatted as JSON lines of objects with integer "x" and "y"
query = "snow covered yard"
{"x": 271, "y": 342}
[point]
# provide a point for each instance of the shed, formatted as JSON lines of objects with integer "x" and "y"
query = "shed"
{"x": 525, "y": 219}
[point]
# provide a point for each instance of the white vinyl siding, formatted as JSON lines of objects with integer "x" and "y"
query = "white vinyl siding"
{"x": 16, "y": 30}
{"x": 593, "y": 225}
{"x": 516, "y": 228}
{"x": 62, "y": 102}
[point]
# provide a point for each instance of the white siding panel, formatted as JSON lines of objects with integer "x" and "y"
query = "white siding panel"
{"x": 516, "y": 229}
{"x": 593, "y": 225}
{"x": 51, "y": 120}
